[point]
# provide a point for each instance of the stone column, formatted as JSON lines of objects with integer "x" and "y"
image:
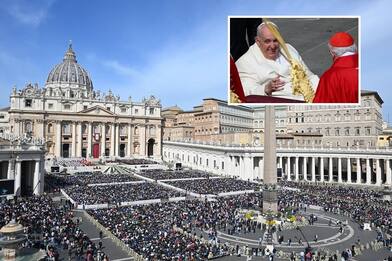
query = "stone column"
{"x": 142, "y": 138}
{"x": 74, "y": 139}
{"x": 281, "y": 162}
{"x": 241, "y": 167}
{"x": 368, "y": 173}
{"x": 112, "y": 142}
{"x": 348, "y": 170}
{"x": 158, "y": 140}
{"x": 89, "y": 141}
{"x": 18, "y": 176}
{"x": 330, "y": 170}
{"x": 129, "y": 145}
{"x": 261, "y": 167}
{"x": 80, "y": 140}
{"x": 39, "y": 129}
{"x": 296, "y": 168}
{"x": 378, "y": 173}
{"x": 227, "y": 163}
{"x": 305, "y": 169}
{"x": 36, "y": 179}
{"x": 288, "y": 168}
{"x": 359, "y": 173}
{"x": 103, "y": 138}
{"x": 228, "y": 166}
{"x": 321, "y": 169}
{"x": 388, "y": 173}
{"x": 313, "y": 169}
{"x": 10, "y": 172}
{"x": 340, "y": 181}
{"x": 58, "y": 139}
{"x": 249, "y": 166}
{"x": 117, "y": 140}
{"x": 42, "y": 175}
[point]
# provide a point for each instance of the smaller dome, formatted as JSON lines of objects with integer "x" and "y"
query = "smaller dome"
{"x": 70, "y": 72}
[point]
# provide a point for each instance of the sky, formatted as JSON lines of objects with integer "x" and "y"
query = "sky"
{"x": 175, "y": 50}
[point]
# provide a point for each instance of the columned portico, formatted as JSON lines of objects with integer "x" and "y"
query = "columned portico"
{"x": 341, "y": 167}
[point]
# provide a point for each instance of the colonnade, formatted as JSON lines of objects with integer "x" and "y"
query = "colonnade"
{"x": 361, "y": 167}
{"x": 96, "y": 139}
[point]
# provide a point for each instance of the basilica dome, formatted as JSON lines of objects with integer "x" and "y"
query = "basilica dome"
{"x": 69, "y": 73}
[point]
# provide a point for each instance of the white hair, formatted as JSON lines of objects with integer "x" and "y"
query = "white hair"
{"x": 340, "y": 51}
{"x": 264, "y": 24}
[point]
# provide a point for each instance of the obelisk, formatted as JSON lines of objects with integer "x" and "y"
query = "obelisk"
{"x": 270, "y": 199}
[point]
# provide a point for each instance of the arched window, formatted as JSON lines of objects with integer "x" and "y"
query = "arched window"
{"x": 50, "y": 128}
{"x": 136, "y": 131}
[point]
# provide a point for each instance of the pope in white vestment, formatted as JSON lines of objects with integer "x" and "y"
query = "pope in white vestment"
{"x": 256, "y": 71}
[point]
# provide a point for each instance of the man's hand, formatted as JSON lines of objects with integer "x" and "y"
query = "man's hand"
{"x": 274, "y": 85}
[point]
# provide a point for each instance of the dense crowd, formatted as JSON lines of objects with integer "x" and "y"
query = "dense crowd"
{"x": 50, "y": 226}
{"x": 150, "y": 229}
{"x": 55, "y": 182}
{"x": 362, "y": 205}
{"x": 115, "y": 194}
{"x": 178, "y": 174}
{"x": 214, "y": 186}
{"x": 136, "y": 161}
{"x": 73, "y": 162}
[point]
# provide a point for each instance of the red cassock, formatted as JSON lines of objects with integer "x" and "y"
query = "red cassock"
{"x": 339, "y": 84}
{"x": 235, "y": 82}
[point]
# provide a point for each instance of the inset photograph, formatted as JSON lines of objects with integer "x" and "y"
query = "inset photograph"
{"x": 285, "y": 60}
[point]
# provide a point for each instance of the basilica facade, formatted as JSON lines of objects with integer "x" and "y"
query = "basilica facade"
{"x": 77, "y": 121}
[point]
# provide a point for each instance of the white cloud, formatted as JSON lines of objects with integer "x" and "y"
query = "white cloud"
{"x": 27, "y": 12}
{"x": 182, "y": 71}
{"x": 120, "y": 69}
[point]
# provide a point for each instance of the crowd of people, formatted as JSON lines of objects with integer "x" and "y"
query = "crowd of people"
{"x": 342, "y": 200}
{"x": 151, "y": 229}
{"x": 73, "y": 162}
{"x": 136, "y": 161}
{"x": 54, "y": 182}
{"x": 50, "y": 226}
{"x": 115, "y": 194}
{"x": 214, "y": 186}
{"x": 157, "y": 174}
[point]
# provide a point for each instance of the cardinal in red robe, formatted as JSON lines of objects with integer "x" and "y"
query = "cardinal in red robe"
{"x": 339, "y": 84}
